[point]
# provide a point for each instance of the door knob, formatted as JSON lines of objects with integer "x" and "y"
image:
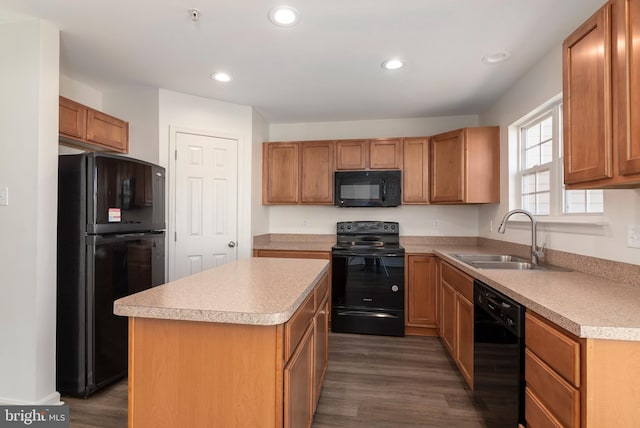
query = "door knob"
{"x": 231, "y": 244}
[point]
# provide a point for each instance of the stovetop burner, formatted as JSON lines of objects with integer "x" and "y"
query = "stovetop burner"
{"x": 373, "y": 236}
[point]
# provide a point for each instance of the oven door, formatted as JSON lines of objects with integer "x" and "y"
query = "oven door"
{"x": 367, "y": 293}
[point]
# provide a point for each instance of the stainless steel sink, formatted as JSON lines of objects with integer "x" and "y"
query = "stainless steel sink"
{"x": 505, "y": 265}
{"x": 503, "y": 261}
{"x": 488, "y": 258}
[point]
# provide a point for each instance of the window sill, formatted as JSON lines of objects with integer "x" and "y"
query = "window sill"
{"x": 583, "y": 224}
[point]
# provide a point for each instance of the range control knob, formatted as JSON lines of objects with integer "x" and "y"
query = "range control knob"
{"x": 394, "y": 288}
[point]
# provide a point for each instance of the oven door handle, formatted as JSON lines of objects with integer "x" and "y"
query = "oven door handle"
{"x": 368, "y": 314}
{"x": 366, "y": 254}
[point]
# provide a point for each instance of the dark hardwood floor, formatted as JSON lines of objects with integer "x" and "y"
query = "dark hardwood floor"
{"x": 372, "y": 381}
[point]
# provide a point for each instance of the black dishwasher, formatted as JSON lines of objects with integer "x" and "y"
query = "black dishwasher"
{"x": 498, "y": 339}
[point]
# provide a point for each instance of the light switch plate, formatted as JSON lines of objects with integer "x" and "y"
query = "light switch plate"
{"x": 633, "y": 236}
{"x": 4, "y": 196}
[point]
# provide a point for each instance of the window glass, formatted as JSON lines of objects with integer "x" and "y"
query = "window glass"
{"x": 540, "y": 172}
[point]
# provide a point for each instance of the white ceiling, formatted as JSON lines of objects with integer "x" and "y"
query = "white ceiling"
{"x": 325, "y": 68}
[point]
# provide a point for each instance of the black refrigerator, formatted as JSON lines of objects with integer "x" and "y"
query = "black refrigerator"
{"x": 110, "y": 244}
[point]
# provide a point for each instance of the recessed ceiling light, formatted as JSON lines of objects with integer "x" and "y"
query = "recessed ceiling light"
{"x": 221, "y": 76}
{"x": 392, "y": 64}
{"x": 284, "y": 16}
{"x": 496, "y": 57}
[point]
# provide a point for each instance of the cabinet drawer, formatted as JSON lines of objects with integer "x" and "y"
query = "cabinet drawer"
{"x": 562, "y": 399}
{"x": 536, "y": 414}
{"x": 462, "y": 282}
{"x": 554, "y": 347}
{"x": 294, "y": 328}
{"x": 322, "y": 291}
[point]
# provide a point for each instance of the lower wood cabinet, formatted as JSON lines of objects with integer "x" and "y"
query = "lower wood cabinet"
{"x": 290, "y": 254}
{"x": 464, "y": 337}
{"x": 552, "y": 373}
{"x": 321, "y": 348}
{"x": 577, "y": 382}
{"x": 203, "y": 374}
{"x": 456, "y": 319}
{"x": 420, "y": 302}
{"x": 298, "y": 383}
{"x": 448, "y": 316}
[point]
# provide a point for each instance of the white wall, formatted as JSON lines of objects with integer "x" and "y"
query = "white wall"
{"x": 259, "y": 212}
{"x": 428, "y": 220}
{"x": 622, "y": 207}
{"x": 217, "y": 117}
{"x": 29, "y": 168}
{"x": 418, "y": 127}
{"x": 138, "y": 106}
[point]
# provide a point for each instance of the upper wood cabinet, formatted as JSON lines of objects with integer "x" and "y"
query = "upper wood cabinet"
{"x": 380, "y": 153}
{"x": 72, "y": 119}
{"x": 280, "y": 173}
{"x": 601, "y": 84}
{"x": 587, "y": 100}
{"x": 316, "y": 172}
{"x": 461, "y": 166}
{"x": 465, "y": 166}
{"x": 385, "y": 153}
{"x": 83, "y": 126}
{"x": 298, "y": 172}
{"x": 415, "y": 171}
{"x": 352, "y": 154}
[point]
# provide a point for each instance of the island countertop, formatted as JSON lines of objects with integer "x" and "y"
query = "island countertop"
{"x": 253, "y": 291}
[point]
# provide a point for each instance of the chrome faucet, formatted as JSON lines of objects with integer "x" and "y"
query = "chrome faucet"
{"x": 536, "y": 253}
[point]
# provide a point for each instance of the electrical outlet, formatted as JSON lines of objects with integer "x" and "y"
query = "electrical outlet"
{"x": 306, "y": 223}
{"x": 435, "y": 224}
{"x": 4, "y": 196}
{"x": 633, "y": 236}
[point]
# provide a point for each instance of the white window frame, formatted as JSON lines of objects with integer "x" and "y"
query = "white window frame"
{"x": 583, "y": 222}
{"x": 554, "y": 169}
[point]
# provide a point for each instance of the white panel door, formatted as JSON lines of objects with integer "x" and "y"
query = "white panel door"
{"x": 206, "y": 177}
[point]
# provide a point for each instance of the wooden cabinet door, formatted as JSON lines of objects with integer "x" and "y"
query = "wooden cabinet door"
{"x": 448, "y": 317}
{"x": 280, "y": 173}
{"x": 72, "y": 120}
{"x": 447, "y": 167}
{"x": 107, "y": 131}
{"x": 421, "y": 292}
{"x": 464, "y": 337}
{"x": 321, "y": 349}
{"x": 385, "y": 154}
{"x": 298, "y": 384}
{"x": 316, "y": 172}
{"x": 352, "y": 154}
{"x": 415, "y": 171}
{"x": 587, "y": 101}
{"x": 626, "y": 84}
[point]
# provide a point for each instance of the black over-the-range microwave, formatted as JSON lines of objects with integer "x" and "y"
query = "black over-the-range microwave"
{"x": 368, "y": 188}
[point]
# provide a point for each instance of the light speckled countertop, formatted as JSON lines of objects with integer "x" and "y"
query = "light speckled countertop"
{"x": 257, "y": 291}
{"x": 585, "y": 305}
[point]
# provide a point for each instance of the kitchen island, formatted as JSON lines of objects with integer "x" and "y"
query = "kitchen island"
{"x": 243, "y": 344}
